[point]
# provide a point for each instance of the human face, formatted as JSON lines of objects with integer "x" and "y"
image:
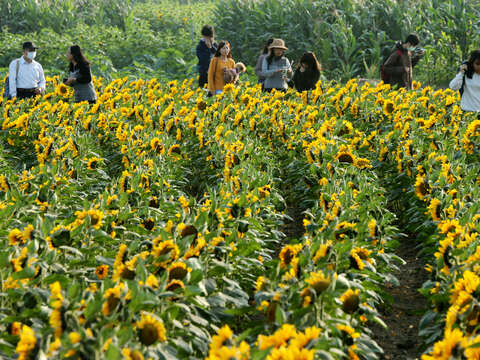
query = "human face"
{"x": 278, "y": 52}
{"x": 225, "y": 50}
{"x": 476, "y": 66}
{"x": 69, "y": 55}
{"x": 29, "y": 54}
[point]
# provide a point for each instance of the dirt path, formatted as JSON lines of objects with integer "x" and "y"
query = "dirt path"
{"x": 400, "y": 341}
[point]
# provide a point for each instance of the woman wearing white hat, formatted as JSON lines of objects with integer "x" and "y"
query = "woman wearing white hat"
{"x": 276, "y": 68}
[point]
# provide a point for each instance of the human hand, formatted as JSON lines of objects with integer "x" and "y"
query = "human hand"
{"x": 278, "y": 71}
{"x": 38, "y": 91}
{"x": 407, "y": 69}
{"x": 463, "y": 68}
{"x": 70, "y": 81}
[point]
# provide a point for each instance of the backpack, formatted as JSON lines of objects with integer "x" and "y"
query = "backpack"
{"x": 6, "y": 90}
{"x": 385, "y": 76}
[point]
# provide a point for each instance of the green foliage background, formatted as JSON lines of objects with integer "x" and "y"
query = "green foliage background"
{"x": 148, "y": 38}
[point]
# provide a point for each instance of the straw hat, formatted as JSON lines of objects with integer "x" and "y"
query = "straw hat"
{"x": 278, "y": 44}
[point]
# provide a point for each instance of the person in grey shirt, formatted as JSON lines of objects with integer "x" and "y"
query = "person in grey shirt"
{"x": 276, "y": 68}
{"x": 80, "y": 76}
{"x": 258, "y": 67}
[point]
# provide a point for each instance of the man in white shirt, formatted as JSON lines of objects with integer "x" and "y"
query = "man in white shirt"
{"x": 29, "y": 80}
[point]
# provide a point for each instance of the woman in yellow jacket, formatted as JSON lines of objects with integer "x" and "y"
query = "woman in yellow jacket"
{"x": 221, "y": 60}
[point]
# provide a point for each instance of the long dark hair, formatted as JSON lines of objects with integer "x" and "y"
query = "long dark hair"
{"x": 475, "y": 55}
{"x": 308, "y": 58}
{"x": 221, "y": 44}
{"x": 78, "y": 56}
{"x": 265, "y": 48}
{"x": 271, "y": 56}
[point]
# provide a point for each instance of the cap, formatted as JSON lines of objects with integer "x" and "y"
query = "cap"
{"x": 29, "y": 45}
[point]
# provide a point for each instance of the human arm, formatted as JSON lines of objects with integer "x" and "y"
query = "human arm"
{"x": 457, "y": 81}
{"x": 42, "y": 84}
{"x": 12, "y": 78}
{"x": 258, "y": 67}
{"x": 211, "y": 75}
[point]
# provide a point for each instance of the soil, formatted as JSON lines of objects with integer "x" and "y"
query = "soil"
{"x": 400, "y": 341}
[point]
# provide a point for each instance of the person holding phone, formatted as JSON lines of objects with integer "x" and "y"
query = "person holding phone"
{"x": 467, "y": 81}
{"x": 80, "y": 76}
{"x": 276, "y": 68}
{"x": 398, "y": 68}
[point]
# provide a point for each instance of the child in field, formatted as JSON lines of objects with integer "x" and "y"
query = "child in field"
{"x": 231, "y": 76}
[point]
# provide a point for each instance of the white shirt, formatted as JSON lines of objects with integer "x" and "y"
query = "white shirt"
{"x": 471, "y": 91}
{"x": 30, "y": 76}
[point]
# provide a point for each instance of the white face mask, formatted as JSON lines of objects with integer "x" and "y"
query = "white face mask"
{"x": 31, "y": 55}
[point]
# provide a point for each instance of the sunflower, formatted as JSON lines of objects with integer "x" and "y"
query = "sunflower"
{"x": 350, "y": 301}
{"x": 167, "y": 251}
{"x": 157, "y": 146}
{"x": 452, "y": 346}
{"x": 27, "y": 343}
{"x": 93, "y": 163}
{"x": 323, "y": 251}
{"x": 148, "y": 224}
{"x": 277, "y": 339}
{"x": 188, "y": 230}
{"x": 174, "y": 150}
{"x": 178, "y": 270}
{"x": 373, "y": 228}
{"x": 102, "y": 271}
{"x": 132, "y": 354}
{"x": 318, "y": 281}
{"x": 434, "y": 209}
{"x": 61, "y": 90}
{"x": 112, "y": 297}
{"x": 15, "y": 328}
{"x": 421, "y": 187}
{"x": 154, "y": 202}
{"x": 388, "y": 107}
{"x": 288, "y": 253}
{"x": 174, "y": 285}
{"x": 357, "y": 257}
{"x": 15, "y": 237}
{"x": 96, "y": 217}
{"x": 150, "y": 330}
{"x": 345, "y": 157}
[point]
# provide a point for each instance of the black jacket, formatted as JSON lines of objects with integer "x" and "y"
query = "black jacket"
{"x": 306, "y": 80}
{"x": 204, "y": 55}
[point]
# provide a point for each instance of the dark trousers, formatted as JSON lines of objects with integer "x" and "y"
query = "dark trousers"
{"x": 25, "y": 93}
{"x": 203, "y": 79}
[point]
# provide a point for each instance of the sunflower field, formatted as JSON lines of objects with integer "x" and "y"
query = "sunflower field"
{"x": 153, "y": 224}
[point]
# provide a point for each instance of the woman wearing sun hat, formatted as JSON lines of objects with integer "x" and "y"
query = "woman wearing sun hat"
{"x": 276, "y": 68}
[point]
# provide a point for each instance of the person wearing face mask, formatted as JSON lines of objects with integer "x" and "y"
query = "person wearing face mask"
{"x": 468, "y": 82}
{"x": 276, "y": 68}
{"x": 221, "y": 60}
{"x": 26, "y": 77}
{"x": 80, "y": 76}
{"x": 398, "y": 68}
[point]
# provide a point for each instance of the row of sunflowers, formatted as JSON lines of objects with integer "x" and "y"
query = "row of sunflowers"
{"x": 153, "y": 224}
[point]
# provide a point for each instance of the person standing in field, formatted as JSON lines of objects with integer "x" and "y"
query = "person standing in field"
{"x": 26, "y": 77}
{"x": 258, "y": 66}
{"x": 468, "y": 82}
{"x": 307, "y": 72}
{"x": 275, "y": 67}
{"x": 398, "y": 68}
{"x": 222, "y": 60}
{"x": 80, "y": 76}
{"x": 206, "y": 48}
